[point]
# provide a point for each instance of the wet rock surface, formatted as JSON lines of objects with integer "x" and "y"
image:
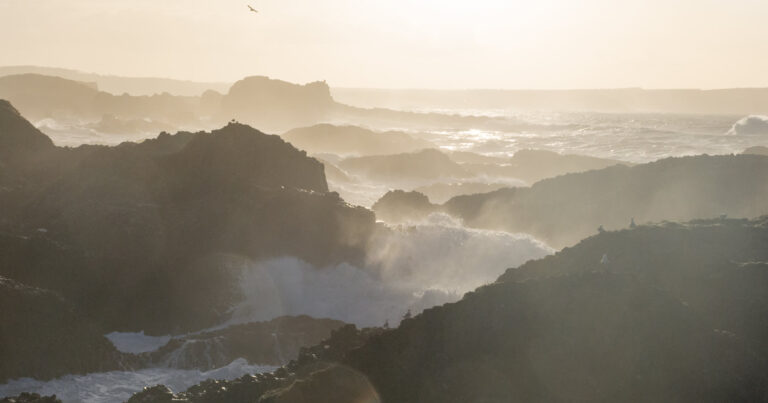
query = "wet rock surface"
{"x": 138, "y": 236}
{"x": 673, "y": 314}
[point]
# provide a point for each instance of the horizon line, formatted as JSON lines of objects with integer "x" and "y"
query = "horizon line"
{"x": 374, "y": 88}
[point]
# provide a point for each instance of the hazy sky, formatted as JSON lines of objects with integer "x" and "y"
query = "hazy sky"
{"x": 401, "y": 43}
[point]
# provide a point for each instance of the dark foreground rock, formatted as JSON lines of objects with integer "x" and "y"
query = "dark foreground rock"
{"x": 43, "y": 336}
{"x": 140, "y": 236}
{"x": 672, "y": 312}
{"x": 30, "y": 398}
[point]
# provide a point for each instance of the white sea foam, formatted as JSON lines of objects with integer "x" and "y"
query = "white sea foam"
{"x": 410, "y": 267}
{"x": 136, "y": 343}
{"x": 750, "y": 125}
{"x": 118, "y": 386}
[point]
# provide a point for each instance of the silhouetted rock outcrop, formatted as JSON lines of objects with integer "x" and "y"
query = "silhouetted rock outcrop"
{"x": 43, "y": 336}
{"x": 143, "y": 230}
{"x": 120, "y": 85}
{"x": 397, "y": 206}
{"x": 276, "y": 104}
{"x": 40, "y": 97}
{"x": 30, "y": 398}
{"x": 675, "y": 314}
{"x": 352, "y": 140}
{"x": 563, "y": 210}
{"x": 17, "y": 135}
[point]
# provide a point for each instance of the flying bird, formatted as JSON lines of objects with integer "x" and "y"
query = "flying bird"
{"x": 252, "y": 9}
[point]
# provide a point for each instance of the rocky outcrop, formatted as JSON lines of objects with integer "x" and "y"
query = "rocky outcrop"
{"x": 43, "y": 336}
{"x": 563, "y": 210}
{"x": 30, "y": 398}
{"x": 397, "y": 206}
{"x": 144, "y": 230}
{"x": 672, "y": 312}
{"x": 352, "y": 140}
{"x": 17, "y": 135}
{"x": 275, "y": 104}
{"x": 118, "y": 85}
{"x": 40, "y": 97}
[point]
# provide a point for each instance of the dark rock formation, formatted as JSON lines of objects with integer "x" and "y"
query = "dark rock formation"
{"x": 565, "y": 209}
{"x": 675, "y": 315}
{"x": 397, "y": 206}
{"x": 352, "y": 140}
{"x": 43, "y": 336}
{"x": 142, "y": 231}
{"x": 673, "y": 312}
{"x": 17, "y": 135}
{"x": 30, "y": 398}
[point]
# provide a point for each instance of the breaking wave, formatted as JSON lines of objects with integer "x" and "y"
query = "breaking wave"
{"x": 750, "y": 125}
{"x": 411, "y": 267}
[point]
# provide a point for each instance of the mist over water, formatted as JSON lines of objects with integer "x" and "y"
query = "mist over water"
{"x": 410, "y": 267}
{"x": 634, "y": 138}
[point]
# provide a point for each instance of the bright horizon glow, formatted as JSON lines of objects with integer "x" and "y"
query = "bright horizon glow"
{"x": 441, "y": 44}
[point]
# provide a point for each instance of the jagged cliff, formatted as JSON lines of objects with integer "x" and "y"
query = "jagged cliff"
{"x": 137, "y": 235}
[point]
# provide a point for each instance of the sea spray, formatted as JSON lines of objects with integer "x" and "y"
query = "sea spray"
{"x": 413, "y": 266}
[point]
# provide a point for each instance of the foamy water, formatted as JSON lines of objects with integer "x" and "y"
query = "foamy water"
{"x": 118, "y": 386}
{"x": 628, "y": 137}
{"x": 412, "y": 267}
{"x": 135, "y": 343}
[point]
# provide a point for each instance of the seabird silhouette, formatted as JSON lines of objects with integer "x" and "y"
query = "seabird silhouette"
{"x": 252, "y": 9}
